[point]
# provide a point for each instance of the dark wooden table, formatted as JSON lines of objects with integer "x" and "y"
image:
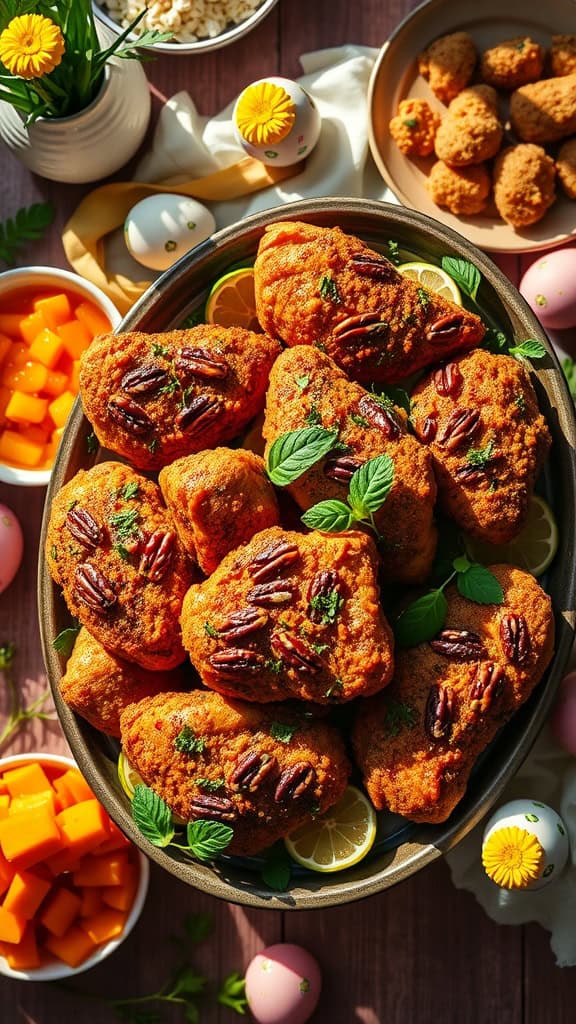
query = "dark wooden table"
{"x": 422, "y": 953}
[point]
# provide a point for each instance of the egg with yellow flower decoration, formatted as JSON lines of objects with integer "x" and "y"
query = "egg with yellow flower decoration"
{"x": 525, "y": 845}
{"x": 276, "y": 121}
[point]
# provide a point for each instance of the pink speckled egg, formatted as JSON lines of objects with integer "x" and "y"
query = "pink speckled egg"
{"x": 11, "y": 546}
{"x": 283, "y": 985}
{"x": 549, "y": 287}
{"x": 563, "y": 717}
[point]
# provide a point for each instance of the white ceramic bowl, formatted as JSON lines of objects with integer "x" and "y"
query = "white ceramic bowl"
{"x": 48, "y": 277}
{"x": 51, "y": 972}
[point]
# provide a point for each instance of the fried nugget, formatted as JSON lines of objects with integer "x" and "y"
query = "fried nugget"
{"x": 112, "y": 547}
{"x": 319, "y": 286}
{"x": 471, "y": 132}
{"x": 566, "y": 167}
{"x": 154, "y": 397}
{"x": 219, "y": 499}
{"x": 524, "y": 184}
{"x": 462, "y": 190}
{"x": 416, "y": 743}
{"x": 563, "y": 55}
{"x": 99, "y": 686}
{"x": 512, "y": 63}
{"x": 262, "y": 770}
{"x": 291, "y": 615}
{"x": 414, "y": 127}
{"x": 306, "y": 386}
{"x": 480, "y": 416}
{"x": 448, "y": 64}
{"x": 545, "y": 111}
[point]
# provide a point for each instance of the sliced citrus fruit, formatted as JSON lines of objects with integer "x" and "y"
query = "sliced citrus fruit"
{"x": 231, "y": 302}
{"x": 337, "y": 839}
{"x": 534, "y": 547}
{"x": 128, "y": 777}
{"x": 434, "y": 279}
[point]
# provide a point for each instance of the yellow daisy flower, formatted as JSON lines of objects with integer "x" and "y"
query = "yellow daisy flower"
{"x": 31, "y": 46}
{"x": 513, "y": 858}
{"x": 265, "y": 114}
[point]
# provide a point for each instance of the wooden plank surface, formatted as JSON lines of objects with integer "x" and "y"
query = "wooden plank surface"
{"x": 422, "y": 953}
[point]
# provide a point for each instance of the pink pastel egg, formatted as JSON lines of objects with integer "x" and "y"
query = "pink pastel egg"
{"x": 563, "y": 717}
{"x": 11, "y": 546}
{"x": 283, "y": 985}
{"x": 549, "y": 287}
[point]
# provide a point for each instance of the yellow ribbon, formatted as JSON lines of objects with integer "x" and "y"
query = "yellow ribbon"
{"x": 106, "y": 208}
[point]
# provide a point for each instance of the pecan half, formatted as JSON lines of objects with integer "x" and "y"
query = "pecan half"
{"x": 376, "y": 267}
{"x": 515, "y": 637}
{"x": 235, "y": 660}
{"x": 144, "y": 380}
{"x": 83, "y": 527}
{"x": 200, "y": 413}
{"x": 273, "y": 593}
{"x": 272, "y": 560}
{"x": 321, "y": 585}
{"x": 129, "y": 415}
{"x": 427, "y": 432}
{"x": 295, "y": 781}
{"x": 439, "y": 712}
{"x": 341, "y": 468}
{"x": 93, "y": 589}
{"x": 487, "y": 684}
{"x": 252, "y": 769}
{"x": 447, "y": 330}
{"x": 157, "y": 554}
{"x": 201, "y": 363}
{"x": 460, "y": 428}
{"x": 380, "y": 416}
{"x": 295, "y": 652}
{"x": 448, "y": 379}
{"x": 469, "y": 474}
{"x": 242, "y": 623}
{"x": 217, "y": 808}
{"x": 458, "y": 644}
{"x": 361, "y": 325}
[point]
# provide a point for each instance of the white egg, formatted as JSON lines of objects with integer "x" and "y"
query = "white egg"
{"x": 301, "y": 136}
{"x": 162, "y": 228}
{"x": 540, "y": 821}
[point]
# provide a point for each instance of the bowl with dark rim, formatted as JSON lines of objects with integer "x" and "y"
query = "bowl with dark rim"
{"x": 402, "y": 847}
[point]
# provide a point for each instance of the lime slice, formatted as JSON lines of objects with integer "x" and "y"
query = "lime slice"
{"x": 433, "y": 279}
{"x": 231, "y": 302}
{"x": 128, "y": 777}
{"x": 534, "y": 547}
{"x": 337, "y": 839}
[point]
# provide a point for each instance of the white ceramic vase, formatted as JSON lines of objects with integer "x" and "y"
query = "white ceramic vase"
{"x": 91, "y": 144}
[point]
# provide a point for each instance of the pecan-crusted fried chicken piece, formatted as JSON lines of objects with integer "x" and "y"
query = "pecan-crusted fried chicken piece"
{"x": 566, "y": 167}
{"x": 306, "y": 386}
{"x": 480, "y": 416}
{"x": 545, "y": 111}
{"x": 291, "y": 615}
{"x": 471, "y": 132}
{"x": 447, "y": 64}
{"x": 417, "y": 742}
{"x": 112, "y": 547}
{"x": 414, "y": 127}
{"x": 563, "y": 55}
{"x": 154, "y": 397}
{"x": 524, "y": 184}
{"x": 512, "y": 63}
{"x": 262, "y": 770}
{"x": 219, "y": 499}
{"x": 462, "y": 190}
{"x": 319, "y": 286}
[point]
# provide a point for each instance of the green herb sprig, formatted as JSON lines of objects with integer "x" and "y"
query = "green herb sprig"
{"x": 18, "y": 713}
{"x": 297, "y": 451}
{"x": 369, "y": 487}
{"x": 205, "y": 839}
{"x": 283, "y": 731}
{"x": 64, "y": 642}
{"x": 277, "y": 870}
{"x": 28, "y": 225}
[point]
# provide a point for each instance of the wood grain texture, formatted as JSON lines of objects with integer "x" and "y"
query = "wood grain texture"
{"x": 422, "y": 953}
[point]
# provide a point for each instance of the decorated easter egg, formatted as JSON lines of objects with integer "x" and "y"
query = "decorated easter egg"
{"x": 563, "y": 717}
{"x": 162, "y": 227}
{"x": 283, "y": 985}
{"x": 11, "y": 546}
{"x": 549, "y": 287}
{"x": 276, "y": 121}
{"x": 525, "y": 845}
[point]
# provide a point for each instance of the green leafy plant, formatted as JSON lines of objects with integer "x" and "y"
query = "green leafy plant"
{"x": 28, "y": 224}
{"x": 368, "y": 489}
{"x": 204, "y": 839}
{"x": 18, "y": 714}
{"x": 233, "y": 993}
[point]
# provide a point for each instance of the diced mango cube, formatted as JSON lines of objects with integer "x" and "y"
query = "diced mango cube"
{"x": 121, "y": 897}
{"x": 25, "y": 894}
{"x": 29, "y": 778}
{"x": 108, "y": 869}
{"x": 93, "y": 318}
{"x": 12, "y": 926}
{"x": 31, "y": 800}
{"x": 91, "y": 901}
{"x": 18, "y": 355}
{"x": 61, "y": 910}
{"x": 61, "y": 407}
{"x": 10, "y": 323}
{"x": 6, "y": 873}
{"x": 78, "y": 786}
{"x": 27, "y": 408}
{"x": 31, "y": 326}
{"x": 46, "y": 348}
{"x": 5, "y": 396}
{"x": 36, "y": 433}
{"x": 30, "y": 837}
{"x": 76, "y": 338}
{"x": 65, "y": 794}
{"x": 84, "y": 826}
{"x": 29, "y": 378}
{"x": 25, "y": 955}
{"x": 14, "y": 448}
{"x": 55, "y": 309}
{"x": 56, "y": 383}
{"x": 73, "y": 948}
{"x": 75, "y": 377}
{"x": 104, "y": 926}
{"x": 4, "y": 805}
{"x": 5, "y": 346}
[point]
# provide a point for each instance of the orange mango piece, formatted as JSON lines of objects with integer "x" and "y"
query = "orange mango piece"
{"x": 61, "y": 407}
{"x": 91, "y": 901}
{"x": 46, "y": 348}
{"x": 29, "y": 378}
{"x": 75, "y": 377}
{"x": 84, "y": 826}
{"x": 12, "y": 926}
{"x": 61, "y": 910}
{"x": 5, "y": 346}
{"x": 72, "y": 948}
{"x": 6, "y": 873}
{"x": 10, "y": 323}
{"x": 4, "y": 805}
{"x": 30, "y": 837}
{"x": 116, "y": 841}
{"x": 5, "y": 396}
{"x": 29, "y": 778}
{"x": 63, "y": 791}
{"x": 18, "y": 355}
{"x": 55, "y": 309}
{"x": 31, "y": 326}
{"x": 31, "y": 800}
{"x": 76, "y": 338}
{"x": 93, "y": 318}
{"x": 77, "y": 785}
{"x": 14, "y": 448}
{"x": 56, "y": 383}
{"x": 109, "y": 869}
{"x": 25, "y": 955}
{"x": 27, "y": 408}
{"x": 121, "y": 897}
{"x": 25, "y": 894}
{"x": 36, "y": 433}
{"x": 64, "y": 860}
{"x": 107, "y": 924}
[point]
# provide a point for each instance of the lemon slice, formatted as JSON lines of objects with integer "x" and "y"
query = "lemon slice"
{"x": 434, "y": 279}
{"x": 231, "y": 302}
{"x": 533, "y": 549}
{"x": 128, "y": 777}
{"x": 337, "y": 839}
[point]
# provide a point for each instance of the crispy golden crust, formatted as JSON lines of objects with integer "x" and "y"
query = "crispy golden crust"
{"x": 566, "y": 167}
{"x": 524, "y": 184}
{"x": 99, "y": 686}
{"x": 405, "y": 768}
{"x": 414, "y": 127}
{"x": 545, "y": 111}
{"x": 152, "y": 398}
{"x": 231, "y": 733}
{"x": 219, "y": 499}
{"x": 325, "y": 395}
{"x": 312, "y": 283}
{"x": 462, "y": 190}
{"x": 563, "y": 55}
{"x": 330, "y": 654}
{"x": 471, "y": 131}
{"x": 133, "y": 602}
{"x": 512, "y": 63}
{"x": 490, "y": 501}
{"x": 447, "y": 64}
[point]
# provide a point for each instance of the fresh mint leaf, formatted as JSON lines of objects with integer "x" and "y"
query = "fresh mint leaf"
{"x": 187, "y": 742}
{"x": 328, "y": 516}
{"x": 152, "y": 816}
{"x": 370, "y": 485}
{"x": 64, "y": 642}
{"x": 207, "y": 839}
{"x": 295, "y": 452}
{"x": 277, "y": 868}
{"x": 422, "y": 619}
{"x": 495, "y": 341}
{"x": 232, "y": 993}
{"x": 282, "y": 731}
{"x": 528, "y": 349}
{"x": 465, "y": 274}
{"x": 461, "y": 563}
{"x": 480, "y": 585}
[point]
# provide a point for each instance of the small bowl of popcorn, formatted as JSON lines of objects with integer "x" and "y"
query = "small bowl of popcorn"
{"x": 196, "y": 25}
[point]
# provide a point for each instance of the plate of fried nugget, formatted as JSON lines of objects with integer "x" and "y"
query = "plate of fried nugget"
{"x": 473, "y": 120}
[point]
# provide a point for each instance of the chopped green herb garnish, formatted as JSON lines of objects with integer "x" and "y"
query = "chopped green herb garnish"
{"x": 64, "y": 642}
{"x": 210, "y": 785}
{"x": 359, "y": 420}
{"x": 319, "y": 648}
{"x": 158, "y": 349}
{"x": 423, "y": 297}
{"x": 123, "y": 552}
{"x": 125, "y": 523}
{"x": 303, "y": 381}
{"x": 481, "y": 457}
{"x": 411, "y": 122}
{"x": 336, "y": 687}
{"x": 520, "y": 402}
{"x": 54, "y": 553}
{"x": 153, "y": 446}
{"x": 313, "y": 417}
{"x": 130, "y": 490}
{"x": 210, "y": 631}
{"x": 91, "y": 443}
{"x": 171, "y": 386}
{"x": 399, "y": 716}
{"x": 282, "y": 732}
{"x": 274, "y": 665}
{"x": 329, "y": 289}
{"x": 320, "y": 346}
{"x": 328, "y": 605}
{"x": 394, "y": 252}
{"x": 187, "y": 742}
{"x": 71, "y": 505}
